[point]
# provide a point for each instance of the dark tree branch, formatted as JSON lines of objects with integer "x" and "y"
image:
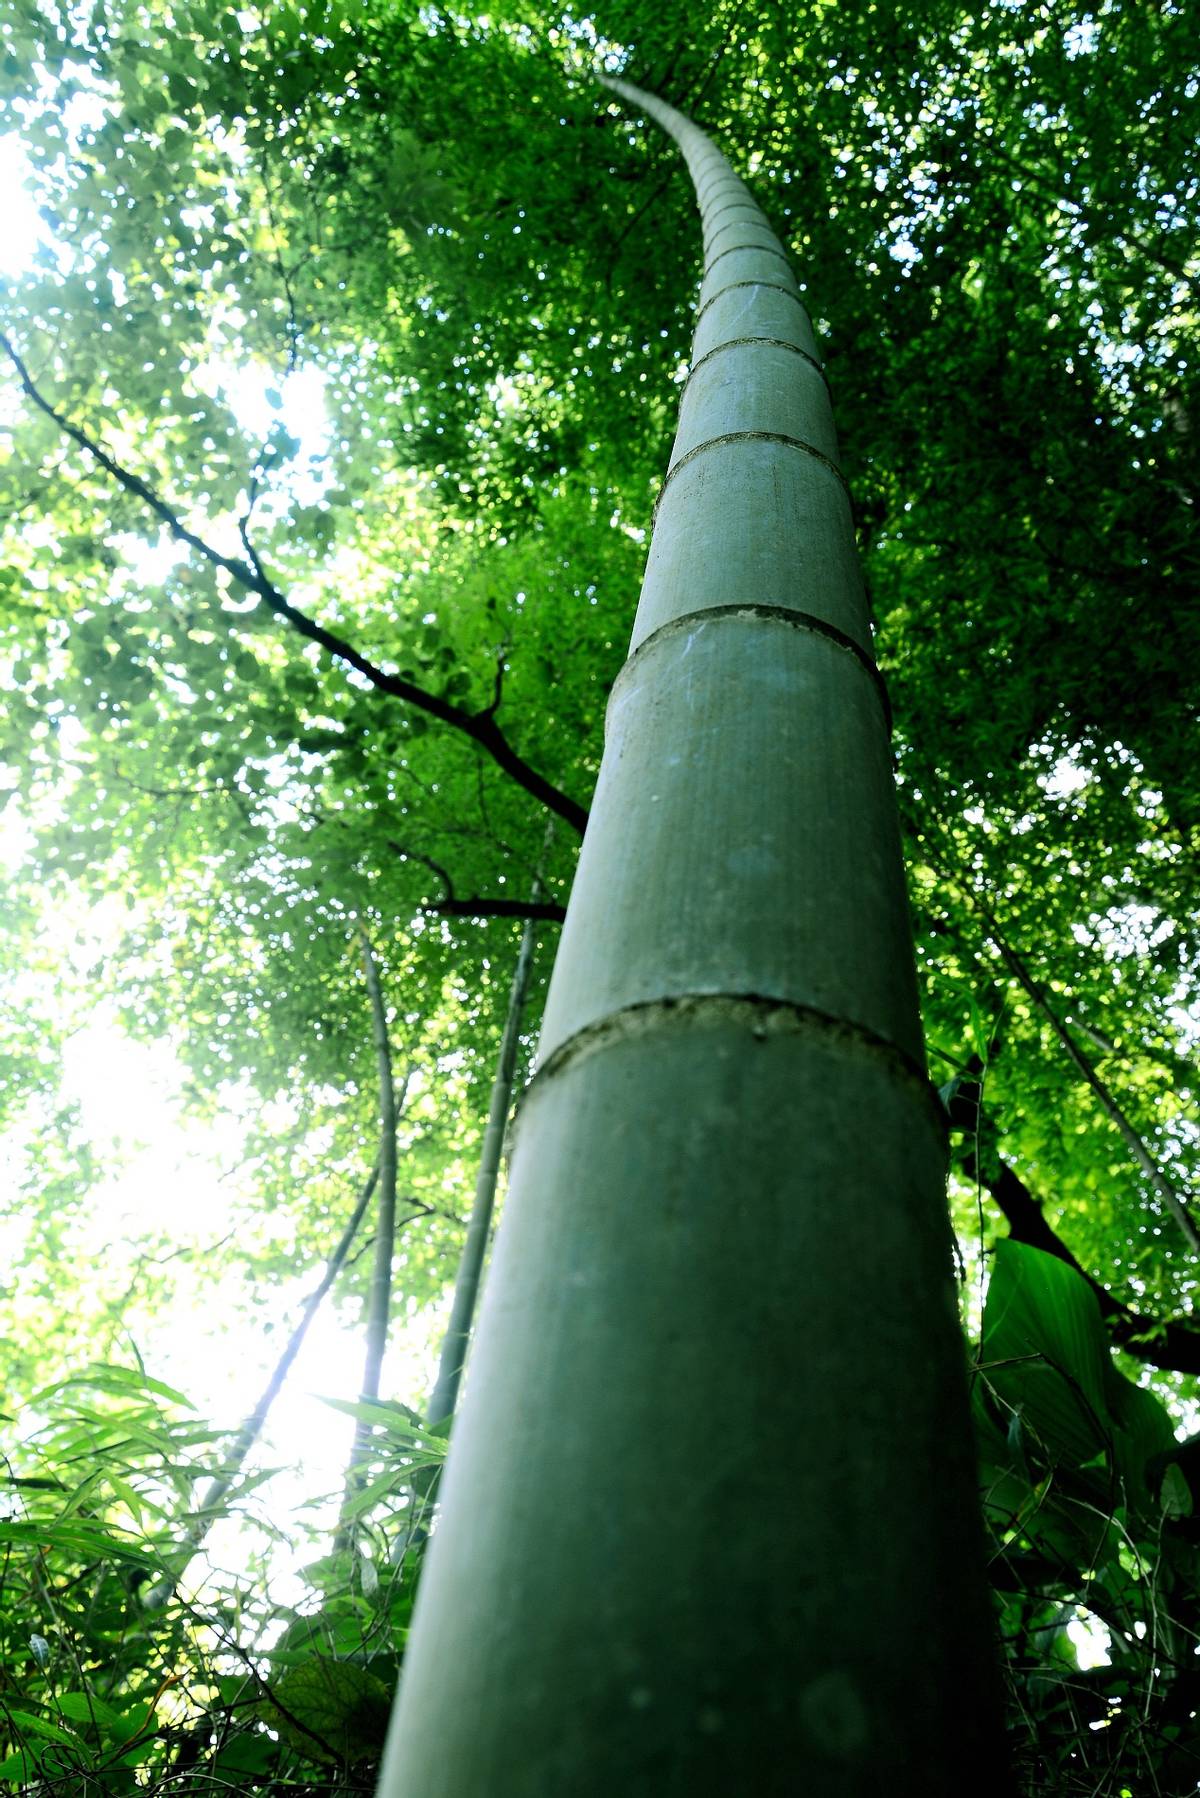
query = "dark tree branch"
{"x": 480, "y": 727}
{"x": 545, "y": 911}
{"x": 1107, "y": 1099}
{"x": 451, "y": 906}
{"x": 494, "y": 704}
{"x": 219, "y": 787}
{"x": 1158, "y": 1342}
{"x": 1108, "y": 1102}
{"x": 422, "y": 1210}
{"x": 293, "y": 325}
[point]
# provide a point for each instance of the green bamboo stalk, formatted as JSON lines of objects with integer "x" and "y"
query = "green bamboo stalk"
{"x": 253, "y": 1427}
{"x": 709, "y": 1521}
{"x": 218, "y": 1488}
{"x": 379, "y": 1298}
{"x": 444, "y": 1396}
{"x": 379, "y": 1294}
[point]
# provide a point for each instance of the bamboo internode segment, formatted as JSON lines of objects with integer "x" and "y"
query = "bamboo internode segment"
{"x": 785, "y": 319}
{"x": 762, "y": 1019}
{"x": 755, "y": 389}
{"x": 722, "y": 206}
{"x": 662, "y": 1476}
{"x": 703, "y": 556}
{"x": 736, "y": 343}
{"x": 456, "y": 1343}
{"x": 700, "y": 896}
{"x": 795, "y": 619}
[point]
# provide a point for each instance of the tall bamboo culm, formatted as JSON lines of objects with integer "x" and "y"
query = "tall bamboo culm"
{"x": 710, "y": 1520}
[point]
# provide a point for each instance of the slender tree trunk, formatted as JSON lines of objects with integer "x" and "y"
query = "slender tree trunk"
{"x": 466, "y": 1287}
{"x": 252, "y": 1429}
{"x": 379, "y": 1296}
{"x": 710, "y": 1523}
{"x": 217, "y": 1488}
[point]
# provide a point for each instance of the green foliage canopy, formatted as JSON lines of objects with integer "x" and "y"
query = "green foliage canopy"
{"x": 390, "y": 313}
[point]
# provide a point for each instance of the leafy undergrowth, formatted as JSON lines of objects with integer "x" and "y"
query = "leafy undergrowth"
{"x": 129, "y": 1662}
{"x": 132, "y": 1663}
{"x": 1093, "y": 1514}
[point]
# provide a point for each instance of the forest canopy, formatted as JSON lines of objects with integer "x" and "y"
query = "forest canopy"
{"x": 338, "y": 391}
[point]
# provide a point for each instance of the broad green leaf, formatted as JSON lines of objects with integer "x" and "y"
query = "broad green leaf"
{"x": 1141, "y": 1430}
{"x": 78, "y": 1537}
{"x": 19, "y": 1767}
{"x": 246, "y": 1753}
{"x": 1044, "y": 1351}
{"x": 107, "y": 1377}
{"x": 86, "y": 1707}
{"x": 41, "y": 1726}
{"x": 1176, "y": 1494}
{"x": 394, "y": 1421}
{"x": 330, "y": 1710}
